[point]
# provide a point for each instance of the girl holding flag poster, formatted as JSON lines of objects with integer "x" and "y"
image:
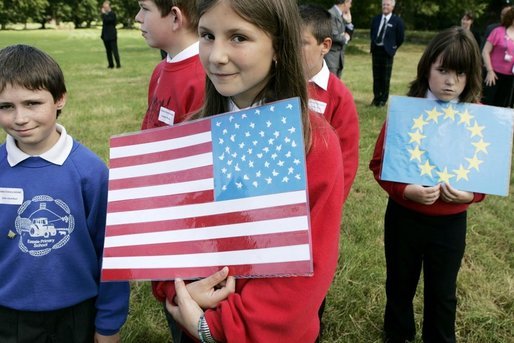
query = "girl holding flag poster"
{"x": 425, "y": 227}
{"x": 251, "y": 51}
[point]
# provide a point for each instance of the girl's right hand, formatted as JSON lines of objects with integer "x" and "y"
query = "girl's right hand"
{"x": 208, "y": 292}
{"x": 422, "y": 195}
{"x": 490, "y": 79}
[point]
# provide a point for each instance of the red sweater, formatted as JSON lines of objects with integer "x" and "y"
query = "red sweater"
{"x": 179, "y": 87}
{"x": 396, "y": 189}
{"x": 341, "y": 113}
{"x": 286, "y": 309}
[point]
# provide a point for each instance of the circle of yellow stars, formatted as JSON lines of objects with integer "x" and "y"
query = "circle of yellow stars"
{"x": 441, "y": 173}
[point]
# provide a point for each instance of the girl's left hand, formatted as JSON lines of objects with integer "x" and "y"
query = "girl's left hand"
{"x": 187, "y": 312}
{"x": 452, "y": 195}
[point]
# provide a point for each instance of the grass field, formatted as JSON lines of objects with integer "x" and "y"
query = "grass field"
{"x": 104, "y": 102}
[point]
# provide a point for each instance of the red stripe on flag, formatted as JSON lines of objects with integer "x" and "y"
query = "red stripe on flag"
{"x": 160, "y": 156}
{"x": 212, "y": 220}
{"x": 212, "y": 245}
{"x": 160, "y": 201}
{"x": 162, "y": 179}
{"x": 159, "y": 134}
{"x": 262, "y": 270}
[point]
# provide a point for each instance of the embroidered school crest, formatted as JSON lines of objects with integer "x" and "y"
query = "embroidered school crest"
{"x": 43, "y": 224}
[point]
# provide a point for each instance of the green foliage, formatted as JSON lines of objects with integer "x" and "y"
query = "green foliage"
{"x": 104, "y": 102}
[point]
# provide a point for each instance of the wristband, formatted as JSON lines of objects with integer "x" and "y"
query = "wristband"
{"x": 204, "y": 332}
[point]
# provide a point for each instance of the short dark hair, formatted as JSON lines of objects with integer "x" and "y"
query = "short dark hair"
{"x": 458, "y": 51}
{"x": 30, "y": 68}
{"x": 508, "y": 17}
{"x": 318, "y": 19}
{"x": 188, "y": 7}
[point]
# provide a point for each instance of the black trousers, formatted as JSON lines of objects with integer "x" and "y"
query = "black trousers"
{"x": 382, "y": 65}
{"x": 435, "y": 244}
{"x": 111, "y": 49}
{"x": 75, "y": 324}
{"x": 502, "y": 93}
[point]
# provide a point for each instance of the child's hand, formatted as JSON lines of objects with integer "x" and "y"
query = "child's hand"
{"x": 187, "y": 312}
{"x": 208, "y": 292}
{"x": 452, "y": 195}
{"x": 421, "y": 194}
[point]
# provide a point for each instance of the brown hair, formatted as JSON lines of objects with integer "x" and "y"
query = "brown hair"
{"x": 458, "y": 50}
{"x": 188, "y": 7}
{"x": 508, "y": 17}
{"x": 28, "y": 67}
{"x": 281, "y": 21}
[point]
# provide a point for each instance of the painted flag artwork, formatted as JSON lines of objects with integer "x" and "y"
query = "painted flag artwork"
{"x": 466, "y": 145}
{"x": 228, "y": 190}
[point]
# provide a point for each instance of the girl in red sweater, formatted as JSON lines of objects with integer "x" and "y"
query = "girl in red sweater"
{"x": 251, "y": 52}
{"x": 426, "y": 226}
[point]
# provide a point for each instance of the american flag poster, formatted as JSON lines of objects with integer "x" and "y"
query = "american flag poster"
{"x": 228, "y": 190}
{"x": 466, "y": 145}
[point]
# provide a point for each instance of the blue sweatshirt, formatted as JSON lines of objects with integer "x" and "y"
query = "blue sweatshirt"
{"x": 52, "y": 226}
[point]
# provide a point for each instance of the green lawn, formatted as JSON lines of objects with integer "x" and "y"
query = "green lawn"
{"x": 104, "y": 102}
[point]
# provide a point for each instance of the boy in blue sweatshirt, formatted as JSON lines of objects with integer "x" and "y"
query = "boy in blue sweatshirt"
{"x": 53, "y": 199}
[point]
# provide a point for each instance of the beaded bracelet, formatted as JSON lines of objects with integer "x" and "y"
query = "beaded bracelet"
{"x": 204, "y": 332}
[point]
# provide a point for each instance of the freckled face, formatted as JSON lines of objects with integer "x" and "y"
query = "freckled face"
{"x": 445, "y": 84}
{"x": 237, "y": 55}
{"x": 30, "y": 117}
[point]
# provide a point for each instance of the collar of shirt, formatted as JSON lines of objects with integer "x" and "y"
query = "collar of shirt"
{"x": 190, "y": 51}
{"x": 56, "y": 155}
{"x": 232, "y": 107}
{"x": 431, "y": 96}
{"x": 387, "y": 17}
{"x": 321, "y": 78}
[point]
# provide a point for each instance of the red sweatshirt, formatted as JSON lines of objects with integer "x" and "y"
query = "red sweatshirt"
{"x": 286, "y": 309}
{"x": 396, "y": 189}
{"x": 178, "y": 87}
{"x": 341, "y": 113}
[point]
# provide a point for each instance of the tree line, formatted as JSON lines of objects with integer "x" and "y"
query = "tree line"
{"x": 417, "y": 15}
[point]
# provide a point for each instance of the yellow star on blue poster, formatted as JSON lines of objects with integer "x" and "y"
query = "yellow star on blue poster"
{"x": 466, "y": 145}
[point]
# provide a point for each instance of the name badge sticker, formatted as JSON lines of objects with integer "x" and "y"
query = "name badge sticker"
{"x": 167, "y": 116}
{"x": 11, "y": 196}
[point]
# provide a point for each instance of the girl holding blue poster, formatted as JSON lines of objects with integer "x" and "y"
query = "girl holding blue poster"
{"x": 251, "y": 52}
{"x": 425, "y": 227}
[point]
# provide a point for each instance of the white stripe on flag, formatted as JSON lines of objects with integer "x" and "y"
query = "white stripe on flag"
{"x": 161, "y": 190}
{"x": 159, "y": 146}
{"x": 290, "y": 224}
{"x": 252, "y": 256}
{"x": 178, "y": 164}
{"x": 204, "y": 209}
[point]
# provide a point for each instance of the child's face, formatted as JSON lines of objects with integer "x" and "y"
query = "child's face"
{"x": 445, "y": 84}
{"x": 236, "y": 55}
{"x": 313, "y": 52}
{"x": 30, "y": 116}
{"x": 156, "y": 30}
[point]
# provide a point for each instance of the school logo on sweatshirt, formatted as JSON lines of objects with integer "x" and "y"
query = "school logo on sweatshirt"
{"x": 43, "y": 224}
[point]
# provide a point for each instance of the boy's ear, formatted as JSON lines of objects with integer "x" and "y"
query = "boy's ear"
{"x": 61, "y": 102}
{"x": 326, "y": 45}
{"x": 177, "y": 18}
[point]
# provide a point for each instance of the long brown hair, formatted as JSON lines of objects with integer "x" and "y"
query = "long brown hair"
{"x": 281, "y": 21}
{"x": 458, "y": 51}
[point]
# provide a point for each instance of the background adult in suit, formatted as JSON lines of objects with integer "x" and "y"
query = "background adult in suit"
{"x": 387, "y": 34}
{"x": 110, "y": 35}
{"x": 342, "y": 29}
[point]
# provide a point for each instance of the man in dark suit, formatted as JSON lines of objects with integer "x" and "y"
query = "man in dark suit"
{"x": 109, "y": 35}
{"x": 387, "y": 34}
{"x": 342, "y": 29}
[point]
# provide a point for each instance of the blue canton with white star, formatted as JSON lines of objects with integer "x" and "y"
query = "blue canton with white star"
{"x": 259, "y": 151}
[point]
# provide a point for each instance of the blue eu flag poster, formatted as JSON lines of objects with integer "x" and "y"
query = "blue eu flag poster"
{"x": 466, "y": 145}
